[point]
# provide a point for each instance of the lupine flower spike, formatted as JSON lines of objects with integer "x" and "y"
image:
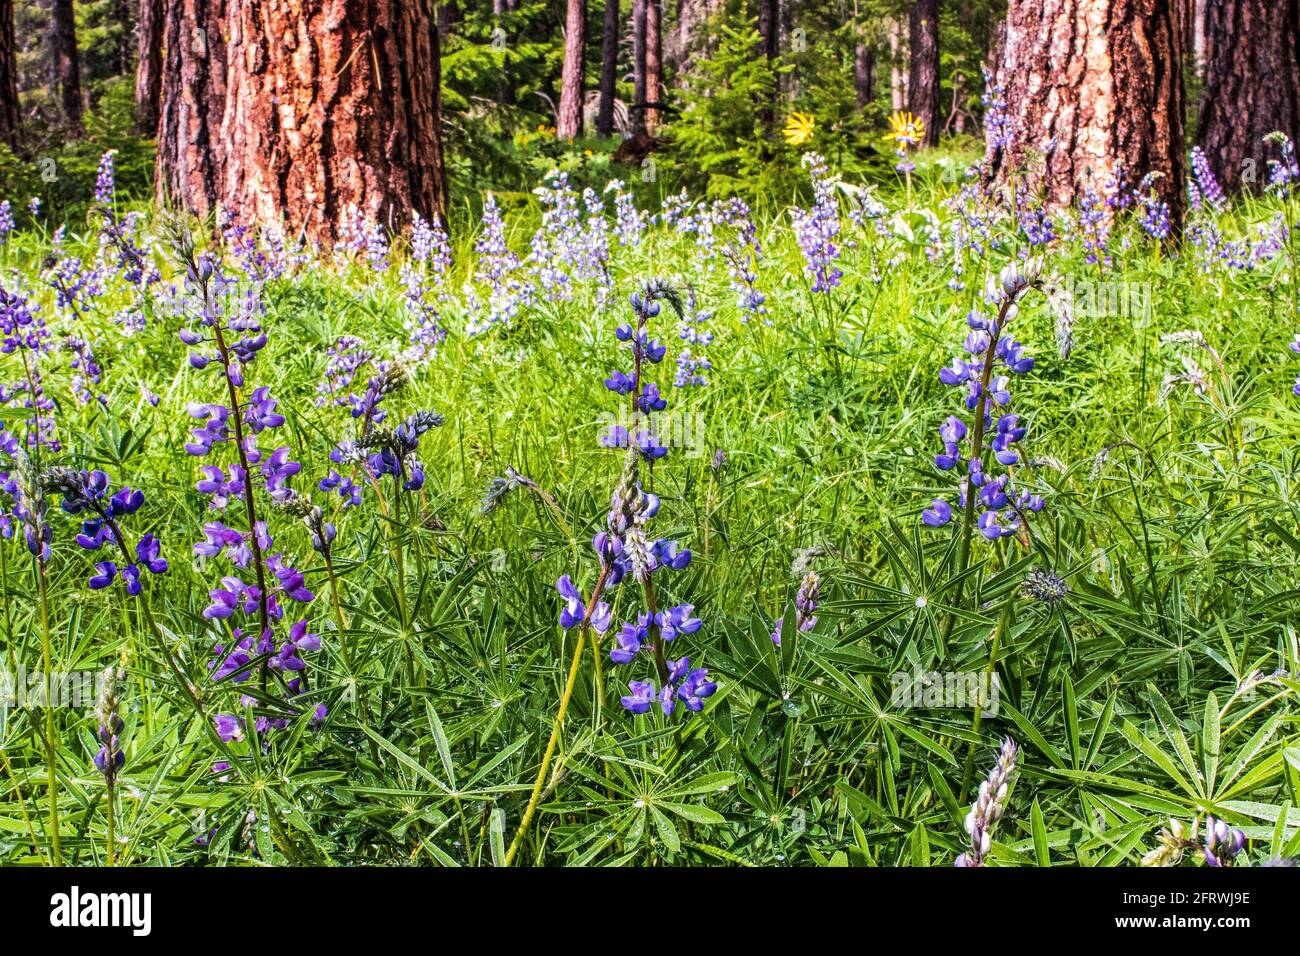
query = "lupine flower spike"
{"x": 988, "y": 806}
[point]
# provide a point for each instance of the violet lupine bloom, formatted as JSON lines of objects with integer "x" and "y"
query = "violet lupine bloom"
{"x": 361, "y": 235}
{"x": 1155, "y": 212}
{"x": 23, "y": 332}
{"x": 227, "y": 335}
{"x": 104, "y": 180}
{"x": 86, "y": 371}
{"x": 1295, "y": 347}
{"x": 6, "y": 220}
{"x": 1094, "y": 227}
{"x": 1222, "y": 843}
{"x": 691, "y": 364}
{"x": 110, "y": 759}
{"x": 817, "y": 229}
{"x": 997, "y": 123}
{"x": 90, "y": 493}
{"x": 805, "y": 606}
{"x": 498, "y": 271}
{"x": 1206, "y": 186}
{"x": 625, "y": 549}
{"x": 1001, "y": 505}
{"x": 988, "y": 806}
{"x": 1285, "y": 171}
{"x": 430, "y": 246}
{"x": 629, "y": 222}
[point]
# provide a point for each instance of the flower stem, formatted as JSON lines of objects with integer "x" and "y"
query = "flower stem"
{"x": 47, "y": 660}
{"x": 565, "y": 697}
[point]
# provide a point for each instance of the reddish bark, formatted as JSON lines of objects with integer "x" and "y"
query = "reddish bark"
{"x": 923, "y": 73}
{"x": 568, "y": 121}
{"x": 1093, "y": 87}
{"x": 148, "y": 73}
{"x": 1252, "y": 85}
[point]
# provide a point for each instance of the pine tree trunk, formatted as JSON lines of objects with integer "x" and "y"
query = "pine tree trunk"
{"x": 192, "y": 101}
{"x": 923, "y": 74}
{"x": 897, "y": 75}
{"x": 638, "y": 67}
{"x": 67, "y": 64}
{"x": 654, "y": 71}
{"x": 331, "y": 105}
{"x": 608, "y": 69}
{"x": 505, "y": 86}
{"x": 148, "y": 73}
{"x": 8, "y": 76}
{"x": 1252, "y": 85}
{"x": 864, "y": 73}
{"x": 1094, "y": 87}
{"x": 769, "y": 29}
{"x": 568, "y": 122}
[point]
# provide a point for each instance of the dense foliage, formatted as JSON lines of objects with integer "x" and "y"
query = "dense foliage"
{"x": 346, "y": 532}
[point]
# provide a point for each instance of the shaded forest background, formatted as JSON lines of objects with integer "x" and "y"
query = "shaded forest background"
{"x": 663, "y": 94}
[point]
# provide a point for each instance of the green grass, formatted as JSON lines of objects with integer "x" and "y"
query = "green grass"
{"x": 1174, "y": 524}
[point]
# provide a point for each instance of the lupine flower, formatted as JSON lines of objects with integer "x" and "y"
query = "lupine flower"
{"x": 359, "y": 234}
{"x": 1222, "y": 843}
{"x": 805, "y": 606}
{"x": 90, "y": 493}
{"x": 1002, "y": 506}
{"x": 625, "y": 549}
{"x": 110, "y": 759}
{"x": 1207, "y": 186}
{"x": 104, "y": 180}
{"x": 1044, "y": 586}
{"x": 997, "y": 123}
{"x": 497, "y": 269}
{"x": 817, "y": 229}
{"x": 988, "y": 806}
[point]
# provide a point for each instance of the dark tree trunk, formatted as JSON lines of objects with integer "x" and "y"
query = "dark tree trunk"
{"x": 769, "y": 47}
{"x": 654, "y": 69}
{"x": 897, "y": 75}
{"x": 639, "y": 66}
{"x": 1093, "y": 87}
{"x": 864, "y": 73}
{"x": 692, "y": 15}
{"x": 329, "y": 105}
{"x": 1252, "y": 85}
{"x": 126, "y": 43}
{"x": 67, "y": 65}
{"x": 192, "y": 102}
{"x": 608, "y": 69}
{"x": 506, "y": 86}
{"x": 568, "y": 121}
{"x": 923, "y": 73}
{"x": 8, "y": 76}
{"x": 333, "y": 104}
{"x": 148, "y": 73}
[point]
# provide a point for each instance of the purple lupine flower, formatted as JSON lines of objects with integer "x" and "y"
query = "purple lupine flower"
{"x": 498, "y": 271}
{"x": 696, "y": 688}
{"x": 805, "y": 607}
{"x": 110, "y": 759}
{"x": 641, "y": 697}
{"x": 817, "y": 229}
{"x": 997, "y": 122}
{"x": 1208, "y": 187}
{"x": 988, "y": 806}
{"x": 88, "y": 492}
{"x": 1222, "y": 843}
{"x": 1002, "y": 506}
{"x": 104, "y": 180}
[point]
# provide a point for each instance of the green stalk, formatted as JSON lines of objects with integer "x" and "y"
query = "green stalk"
{"x": 563, "y": 709}
{"x": 47, "y": 661}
